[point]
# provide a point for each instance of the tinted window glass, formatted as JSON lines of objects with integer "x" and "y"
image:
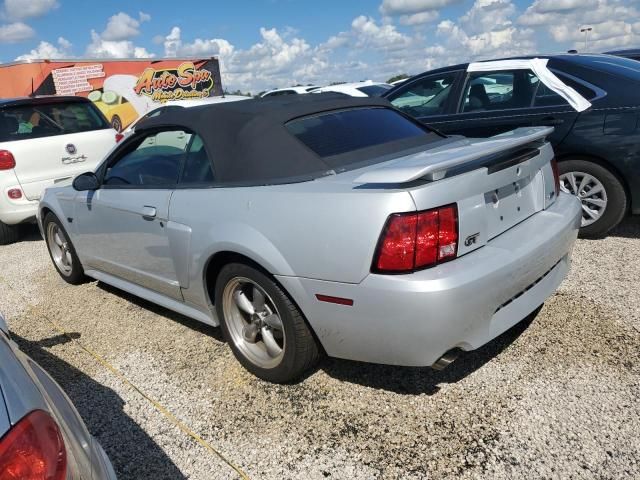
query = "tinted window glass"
{"x": 197, "y": 167}
{"x": 425, "y": 97}
{"x": 153, "y": 161}
{"x": 583, "y": 90}
{"x": 374, "y": 90}
{"x": 280, "y": 93}
{"x": 499, "y": 90}
{"x": 44, "y": 120}
{"x": 545, "y": 97}
{"x": 348, "y": 130}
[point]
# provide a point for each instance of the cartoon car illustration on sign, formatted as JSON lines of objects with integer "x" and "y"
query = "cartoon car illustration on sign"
{"x": 117, "y": 109}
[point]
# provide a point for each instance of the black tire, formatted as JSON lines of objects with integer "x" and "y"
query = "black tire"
{"x": 116, "y": 123}
{"x": 617, "y": 202}
{"x": 9, "y": 234}
{"x": 301, "y": 350}
{"x": 76, "y": 276}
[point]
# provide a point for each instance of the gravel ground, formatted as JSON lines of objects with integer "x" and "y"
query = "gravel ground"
{"x": 553, "y": 398}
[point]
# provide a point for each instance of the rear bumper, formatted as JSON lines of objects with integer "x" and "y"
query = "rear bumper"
{"x": 13, "y": 212}
{"x": 414, "y": 319}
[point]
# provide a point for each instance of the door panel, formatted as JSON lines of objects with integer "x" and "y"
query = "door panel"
{"x": 121, "y": 228}
{"x": 123, "y": 232}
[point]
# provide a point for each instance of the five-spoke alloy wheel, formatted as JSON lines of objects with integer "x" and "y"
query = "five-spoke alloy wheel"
{"x": 265, "y": 329}
{"x": 61, "y": 251}
{"x": 254, "y": 322}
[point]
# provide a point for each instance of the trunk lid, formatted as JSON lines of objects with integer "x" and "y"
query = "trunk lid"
{"x": 496, "y": 182}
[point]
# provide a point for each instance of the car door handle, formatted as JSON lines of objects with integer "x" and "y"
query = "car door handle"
{"x": 552, "y": 121}
{"x": 149, "y": 213}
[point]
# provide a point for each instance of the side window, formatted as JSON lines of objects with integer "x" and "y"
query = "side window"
{"x": 427, "y": 96}
{"x": 153, "y": 161}
{"x": 545, "y": 97}
{"x": 498, "y": 91}
{"x": 197, "y": 166}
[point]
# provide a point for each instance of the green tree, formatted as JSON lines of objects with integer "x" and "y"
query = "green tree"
{"x": 401, "y": 76}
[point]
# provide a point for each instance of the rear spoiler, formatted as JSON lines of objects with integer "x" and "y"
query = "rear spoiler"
{"x": 433, "y": 164}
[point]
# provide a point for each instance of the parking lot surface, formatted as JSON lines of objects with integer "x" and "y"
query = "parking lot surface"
{"x": 556, "y": 397}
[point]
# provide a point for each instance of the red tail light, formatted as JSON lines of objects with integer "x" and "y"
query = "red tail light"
{"x": 7, "y": 162}
{"x": 556, "y": 175}
{"x": 33, "y": 450}
{"x": 119, "y": 136}
{"x": 411, "y": 241}
{"x": 15, "y": 194}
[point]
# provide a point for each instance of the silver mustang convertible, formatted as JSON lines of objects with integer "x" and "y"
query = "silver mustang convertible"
{"x": 320, "y": 223}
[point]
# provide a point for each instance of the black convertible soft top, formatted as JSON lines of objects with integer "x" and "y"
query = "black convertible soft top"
{"x": 248, "y": 142}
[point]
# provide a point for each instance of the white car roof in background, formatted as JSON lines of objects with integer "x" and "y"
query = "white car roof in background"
{"x": 298, "y": 89}
{"x": 349, "y": 88}
{"x": 204, "y": 101}
{"x": 191, "y": 103}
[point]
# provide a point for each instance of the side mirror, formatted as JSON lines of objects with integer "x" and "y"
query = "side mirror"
{"x": 86, "y": 181}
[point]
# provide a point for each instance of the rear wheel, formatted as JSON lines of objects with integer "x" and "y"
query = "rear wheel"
{"x": 8, "y": 234}
{"x": 61, "y": 251}
{"x": 265, "y": 329}
{"x": 603, "y": 197}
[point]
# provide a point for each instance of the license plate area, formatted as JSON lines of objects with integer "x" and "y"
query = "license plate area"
{"x": 509, "y": 205}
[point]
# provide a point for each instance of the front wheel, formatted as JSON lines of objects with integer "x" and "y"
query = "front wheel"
{"x": 603, "y": 197}
{"x": 61, "y": 251}
{"x": 265, "y": 329}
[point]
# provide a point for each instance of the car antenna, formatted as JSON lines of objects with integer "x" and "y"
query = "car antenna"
{"x": 33, "y": 94}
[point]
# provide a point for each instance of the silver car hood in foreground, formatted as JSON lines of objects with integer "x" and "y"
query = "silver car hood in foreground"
{"x": 433, "y": 164}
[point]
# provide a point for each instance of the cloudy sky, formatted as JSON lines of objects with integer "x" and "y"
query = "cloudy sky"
{"x": 271, "y": 43}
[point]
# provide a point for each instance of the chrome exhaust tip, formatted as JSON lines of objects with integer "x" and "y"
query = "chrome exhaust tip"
{"x": 445, "y": 360}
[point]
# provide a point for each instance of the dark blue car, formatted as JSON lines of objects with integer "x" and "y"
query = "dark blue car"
{"x": 598, "y": 150}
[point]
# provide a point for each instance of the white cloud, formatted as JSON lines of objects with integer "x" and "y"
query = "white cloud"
{"x": 276, "y": 60}
{"x": 123, "y": 27}
{"x": 144, "y": 17}
{"x": 614, "y": 23}
{"x": 419, "y": 18}
{"x": 173, "y": 46}
{"x": 21, "y": 9}
{"x": 101, "y": 48}
{"x": 385, "y": 37}
{"x": 487, "y": 16}
{"x": 15, "y": 32}
{"x": 47, "y": 50}
{"x": 407, "y": 7}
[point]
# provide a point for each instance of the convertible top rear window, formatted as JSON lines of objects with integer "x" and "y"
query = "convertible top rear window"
{"x": 345, "y": 131}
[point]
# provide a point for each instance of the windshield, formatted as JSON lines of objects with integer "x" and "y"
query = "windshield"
{"x": 374, "y": 90}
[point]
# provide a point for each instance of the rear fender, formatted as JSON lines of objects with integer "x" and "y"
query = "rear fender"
{"x": 225, "y": 238}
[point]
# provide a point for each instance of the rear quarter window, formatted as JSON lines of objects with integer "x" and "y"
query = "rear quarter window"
{"x": 344, "y": 131}
{"x": 22, "y": 122}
